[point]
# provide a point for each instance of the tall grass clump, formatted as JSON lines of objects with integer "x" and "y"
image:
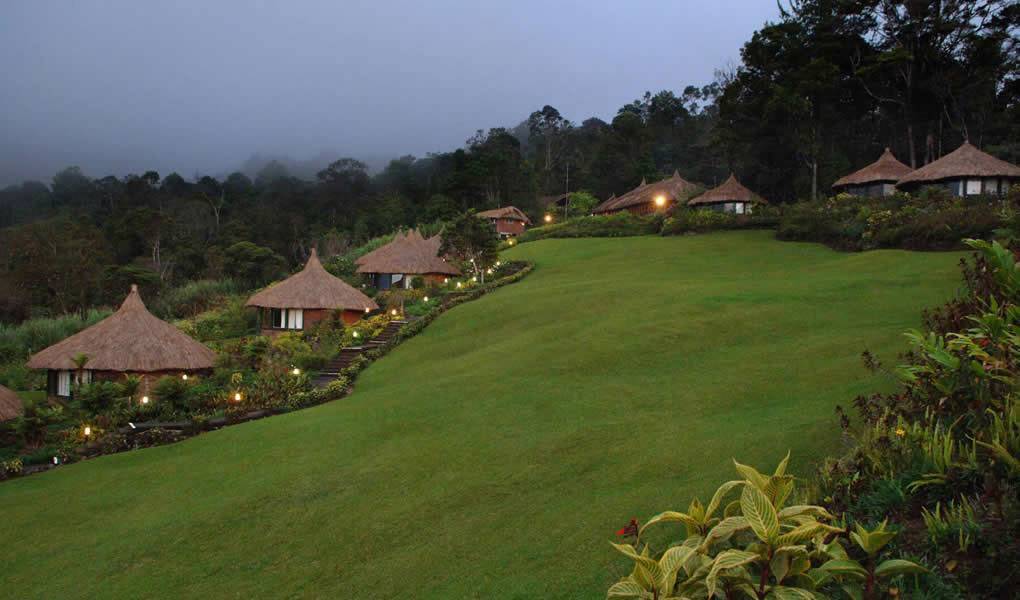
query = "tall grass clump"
{"x": 19, "y": 341}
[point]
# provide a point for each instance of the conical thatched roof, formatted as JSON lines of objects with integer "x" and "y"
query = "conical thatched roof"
{"x": 129, "y": 340}
{"x": 884, "y": 170}
{"x": 965, "y": 161}
{"x": 11, "y": 406}
{"x": 312, "y": 287}
{"x": 507, "y": 212}
{"x": 675, "y": 189}
{"x": 730, "y": 191}
{"x": 410, "y": 254}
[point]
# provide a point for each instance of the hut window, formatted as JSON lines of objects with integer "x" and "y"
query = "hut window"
{"x": 287, "y": 318}
{"x": 740, "y": 208}
{"x": 973, "y": 186}
{"x": 64, "y": 384}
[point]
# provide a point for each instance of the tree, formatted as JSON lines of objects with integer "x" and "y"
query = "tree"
{"x": 472, "y": 242}
{"x": 252, "y": 264}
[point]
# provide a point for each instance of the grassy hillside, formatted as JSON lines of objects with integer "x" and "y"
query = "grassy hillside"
{"x": 494, "y": 455}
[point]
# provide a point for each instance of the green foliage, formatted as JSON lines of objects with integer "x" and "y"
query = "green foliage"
{"x": 472, "y": 242}
{"x": 17, "y": 342}
{"x": 228, "y": 321}
{"x": 174, "y": 397}
{"x": 252, "y": 264}
{"x": 956, "y": 525}
{"x": 621, "y": 224}
{"x": 684, "y": 220}
{"x": 763, "y": 548}
{"x": 194, "y": 297}
{"x": 931, "y": 220}
{"x": 33, "y": 425}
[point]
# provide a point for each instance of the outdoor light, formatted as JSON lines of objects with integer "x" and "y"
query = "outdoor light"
{"x": 458, "y": 284}
{"x": 296, "y": 371}
{"x": 512, "y": 241}
{"x": 660, "y": 200}
{"x": 237, "y": 397}
{"x": 475, "y": 278}
{"x": 355, "y": 334}
{"x": 56, "y": 460}
{"x": 145, "y": 399}
{"x": 426, "y": 298}
{"x": 366, "y": 310}
{"x": 548, "y": 218}
{"x": 88, "y": 430}
{"x": 446, "y": 280}
{"x": 184, "y": 377}
{"x": 393, "y": 312}
{"x": 489, "y": 271}
{"x": 132, "y": 425}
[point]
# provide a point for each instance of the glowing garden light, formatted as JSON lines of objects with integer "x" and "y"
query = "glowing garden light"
{"x": 184, "y": 377}
{"x": 475, "y": 278}
{"x": 145, "y": 399}
{"x": 366, "y": 310}
{"x": 355, "y": 334}
{"x": 87, "y": 431}
{"x": 393, "y": 312}
{"x": 660, "y": 200}
{"x": 459, "y": 284}
{"x": 237, "y": 396}
{"x": 548, "y": 219}
{"x": 296, "y": 371}
{"x": 426, "y": 298}
{"x": 446, "y": 280}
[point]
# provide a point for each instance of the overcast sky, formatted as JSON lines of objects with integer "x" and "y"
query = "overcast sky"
{"x": 199, "y": 86}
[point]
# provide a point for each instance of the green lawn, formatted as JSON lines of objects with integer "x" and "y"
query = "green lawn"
{"x": 494, "y": 455}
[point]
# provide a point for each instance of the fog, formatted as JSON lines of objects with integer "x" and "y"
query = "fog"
{"x": 198, "y": 87}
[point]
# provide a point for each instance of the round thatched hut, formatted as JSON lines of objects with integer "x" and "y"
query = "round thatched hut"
{"x": 11, "y": 406}
{"x": 877, "y": 179}
{"x": 407, "y": 257}
{"x": 509, "y": 221}
{"x": 965, "y": 171}
{"x": 731, "y": 197}
{"x": 308, "y": 297}
{"x": 649, "y": 198}
{"x": 131, "y": 341}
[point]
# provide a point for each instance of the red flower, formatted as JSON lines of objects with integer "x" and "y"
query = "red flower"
{"x": 630, "y": 529}
{"x": 983, "y": 342}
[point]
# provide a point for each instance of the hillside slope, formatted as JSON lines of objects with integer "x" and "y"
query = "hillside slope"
{"x": 494, "y": 455}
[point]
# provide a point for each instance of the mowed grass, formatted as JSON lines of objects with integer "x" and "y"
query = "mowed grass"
{"x": 494, "y": 455}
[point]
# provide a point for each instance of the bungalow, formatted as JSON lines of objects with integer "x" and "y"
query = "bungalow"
{"x": 509, "y": 221}
{"x": 407, "y": 257}
{"x": 131, "y": 341}
{"x": 731, "y": 197}
{"x": 11, "y": 406}
{"x": 877, "y": 179}
{"x": 965, "y": 171}
{"x": 307, "y": 297}
{"x": 648, "y": 198}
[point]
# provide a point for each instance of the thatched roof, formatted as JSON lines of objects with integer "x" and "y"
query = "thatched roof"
{"x": 675, "y": 189}
{"x": 730, "y": 191}
{"x": 507, "y": 212}
{"x": 965, "y": 161}
{"x": 129, "y": 340}
{"x": 884, "y": 170}
{"x": 312, "y": 287}
{"x": 410, "y": 254}
{"x": 11, "y": 406}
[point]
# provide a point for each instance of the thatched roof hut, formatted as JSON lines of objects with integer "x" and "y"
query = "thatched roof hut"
{"x": 884, "y": 170}
{"x": 11, "y": 406}
{"x": 312, "y": 288}
{"x": 646, "y": 197}
{"x": 730, "y": 192}
{"x": 408, "y": 254}
{"x": 965, "y": 171}
{"x": 507, "y": 212}
{"x": 130, "y": 340}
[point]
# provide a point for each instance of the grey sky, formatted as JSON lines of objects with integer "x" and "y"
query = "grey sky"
{"x": 198, "y": 86}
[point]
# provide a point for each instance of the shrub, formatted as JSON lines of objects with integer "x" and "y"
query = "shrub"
{"x": 174, "y": 397}
{"x": 619, "y": 224}
{"x": 97, "y": 397}
{"x": 231, "y": 320}
{"x": 194, "y": 297}
{"x": 760, "y": 545}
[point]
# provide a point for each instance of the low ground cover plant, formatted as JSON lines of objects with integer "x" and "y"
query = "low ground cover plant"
{"x": 621, "y": 224}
